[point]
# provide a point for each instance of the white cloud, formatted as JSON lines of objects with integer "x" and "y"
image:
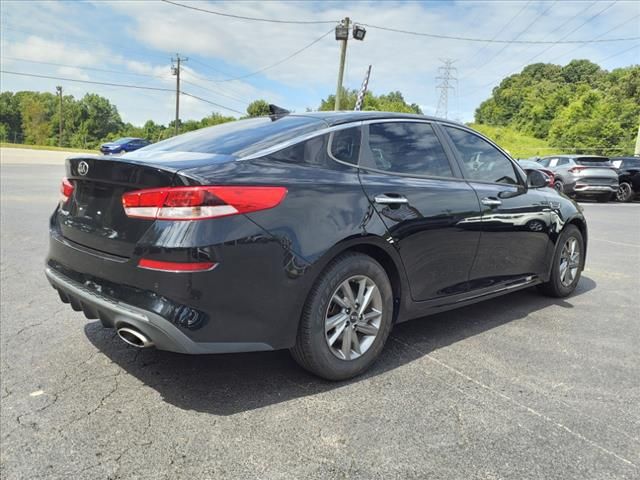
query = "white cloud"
{"x": 222, "y": 47}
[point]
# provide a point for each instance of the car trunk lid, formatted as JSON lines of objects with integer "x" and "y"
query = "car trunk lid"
{"x": 93, "y": 215}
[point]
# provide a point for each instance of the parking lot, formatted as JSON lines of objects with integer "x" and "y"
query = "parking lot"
{"x": 522, "y": 386}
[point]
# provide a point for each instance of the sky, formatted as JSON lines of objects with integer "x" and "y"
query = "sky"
{"x": 132, "y": 42}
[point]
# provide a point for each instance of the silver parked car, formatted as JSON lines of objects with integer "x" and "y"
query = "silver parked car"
{"x": 583, "y": 175}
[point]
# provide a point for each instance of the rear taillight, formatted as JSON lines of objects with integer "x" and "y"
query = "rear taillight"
{"x": 66, "y": 190}
{"x": 201, "y": 202}
{"x": 176, "y": 266}
{"x": 576, "y": 169}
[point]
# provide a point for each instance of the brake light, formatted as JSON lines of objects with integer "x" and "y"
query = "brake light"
{"x": 201, "y": 202}
{"x": 66, "y": 190}
{"x": 576, "y": 169}
{"x": 175, "y": 266}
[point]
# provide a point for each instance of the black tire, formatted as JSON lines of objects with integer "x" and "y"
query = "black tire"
{"x": 312, "y": 349}
{"x": 604, "y": 198}
{"x": 625, "y": 192}
{"x": 555, "y": 286}
{"x": 559, "y": 186}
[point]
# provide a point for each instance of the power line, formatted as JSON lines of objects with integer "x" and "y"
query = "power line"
{"x": 608, "y": 31}
{"x": 119, "y": 72}
{"x": 637, "y": 45}
{"x": 590, "y": 19}
{"x": 140, "y": 87}
{"x": 211, "y": 103}
{"x": 522, "y": 32}
{"x": 297, "y": 52}
{"x": 487, "y": 40}
{"x": 255, "y": 19}
{"x": 122, "y": 85}
{"x": 230, "y": 97}
{"x": 506, "y": 25}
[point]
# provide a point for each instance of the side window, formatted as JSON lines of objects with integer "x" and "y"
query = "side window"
{"x": 544, "y": 162}
{"x": 345, "y": 145}
{"x": 411, "y": 148}
{"x": 563, "y": 162}
{"x": 482, "y": 161}
{"x": 309, "y": 152}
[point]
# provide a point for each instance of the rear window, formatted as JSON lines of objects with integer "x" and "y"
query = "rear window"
{"x": 593, "y": 161}
{"x": 241, "y": 137}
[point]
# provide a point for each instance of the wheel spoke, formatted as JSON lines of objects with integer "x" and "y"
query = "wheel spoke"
{"x": 355, "y": 341}
{"x": 348, "y": 293}
{"x": 336, "y": 334}
{"x": 362, "y": 285}
{"x": 335, "y": 321}
{"x": 367, "y": 299}
{"x": 367, "y": 329}
{"x": 373, "y": 314}
{"x": 340, "y": 301}
{"x": 346, "y": 344}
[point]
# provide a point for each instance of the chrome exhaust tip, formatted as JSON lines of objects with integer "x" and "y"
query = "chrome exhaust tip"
{"x": 135, "y": 338}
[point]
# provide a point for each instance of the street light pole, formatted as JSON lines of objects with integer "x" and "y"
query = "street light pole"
{"x": 176, "y": 72}
{"x": 342, "y": 34}
{"x": 59, "y": 93}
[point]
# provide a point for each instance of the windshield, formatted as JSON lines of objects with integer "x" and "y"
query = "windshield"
{"x": 241, "y": 137}
{"x": 593, "y": 161}
{"x": 122, "y": 141}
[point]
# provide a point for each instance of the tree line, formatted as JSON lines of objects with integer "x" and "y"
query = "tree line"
{"x": 34, "y": 118}
{"x": 579, "y": 107}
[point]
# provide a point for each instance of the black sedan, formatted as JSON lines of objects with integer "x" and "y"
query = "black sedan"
{"x": 313, "y": 232}
{"x": 123, "y": 145}
{"x": 628, "y": 177}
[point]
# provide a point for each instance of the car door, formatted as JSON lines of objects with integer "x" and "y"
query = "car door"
{"x": 516, "y": 221}
{"x": 418, "y": 192}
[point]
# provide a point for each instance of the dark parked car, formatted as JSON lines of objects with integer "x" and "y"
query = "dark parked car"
{"x": 529, "y": 165}
{"x": 628, "y": 177}
{"x": 583, "y": 175}
{"x": 123, "y": 145}
{"x": 314, "y": 232}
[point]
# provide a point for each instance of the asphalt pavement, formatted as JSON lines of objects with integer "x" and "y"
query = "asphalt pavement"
{"x": 519, "y": 387}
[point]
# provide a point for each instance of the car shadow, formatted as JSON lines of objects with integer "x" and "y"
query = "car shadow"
{"x": 233, "y": 383}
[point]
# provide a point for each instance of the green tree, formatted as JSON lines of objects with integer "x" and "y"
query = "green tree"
{"x": 258, "y": 108}
{"x": 391, "y": 102}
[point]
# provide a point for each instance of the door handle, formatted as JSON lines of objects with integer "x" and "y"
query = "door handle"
{"x": 387, "y": 200}
{"x": 491, "y": 202}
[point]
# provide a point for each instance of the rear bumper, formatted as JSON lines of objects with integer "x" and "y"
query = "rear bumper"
{"x": 594, "y": 189}
{"x": 115, "y": 314}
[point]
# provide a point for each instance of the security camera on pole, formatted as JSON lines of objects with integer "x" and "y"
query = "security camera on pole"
{"x": 342, "y": 35}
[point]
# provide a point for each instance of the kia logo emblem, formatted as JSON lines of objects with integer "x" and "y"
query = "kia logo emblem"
{"x": 83, "y": 168}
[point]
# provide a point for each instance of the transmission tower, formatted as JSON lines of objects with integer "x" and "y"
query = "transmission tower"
{"x": 448, "y": 78}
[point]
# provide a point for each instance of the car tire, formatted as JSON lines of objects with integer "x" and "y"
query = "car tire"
{"x": 625, "y": 192}
{"x": 566, "y": 267}
{"x": 559, "y": 186}
{"x": 328, "y": 321}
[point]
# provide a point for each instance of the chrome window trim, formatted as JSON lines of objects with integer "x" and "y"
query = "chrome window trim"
{"x": 300, "y": 139}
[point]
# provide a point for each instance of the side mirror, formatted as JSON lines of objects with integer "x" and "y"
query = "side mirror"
{"x": 536, "y": 179}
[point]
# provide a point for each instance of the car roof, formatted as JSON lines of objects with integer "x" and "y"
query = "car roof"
{"x": 564, "y": 155}
{"x": 337, "y": 118}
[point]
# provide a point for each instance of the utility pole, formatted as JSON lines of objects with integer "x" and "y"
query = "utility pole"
{"x": 175, "y": 70}
{"x": 342, "y": 35}
{"x": 59, "y": 94}
{"x": 447, "y": 76}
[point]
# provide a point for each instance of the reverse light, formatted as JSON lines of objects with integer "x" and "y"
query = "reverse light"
{"x": 66, "y": 190}
{"x": 200, "y": 202}
{"x": 161, "y": 266}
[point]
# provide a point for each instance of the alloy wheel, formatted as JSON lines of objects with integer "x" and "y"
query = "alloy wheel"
{"x": 624, "y": 192}
{"x": 569, "y": 261}
{"x": 353, "y": 317}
